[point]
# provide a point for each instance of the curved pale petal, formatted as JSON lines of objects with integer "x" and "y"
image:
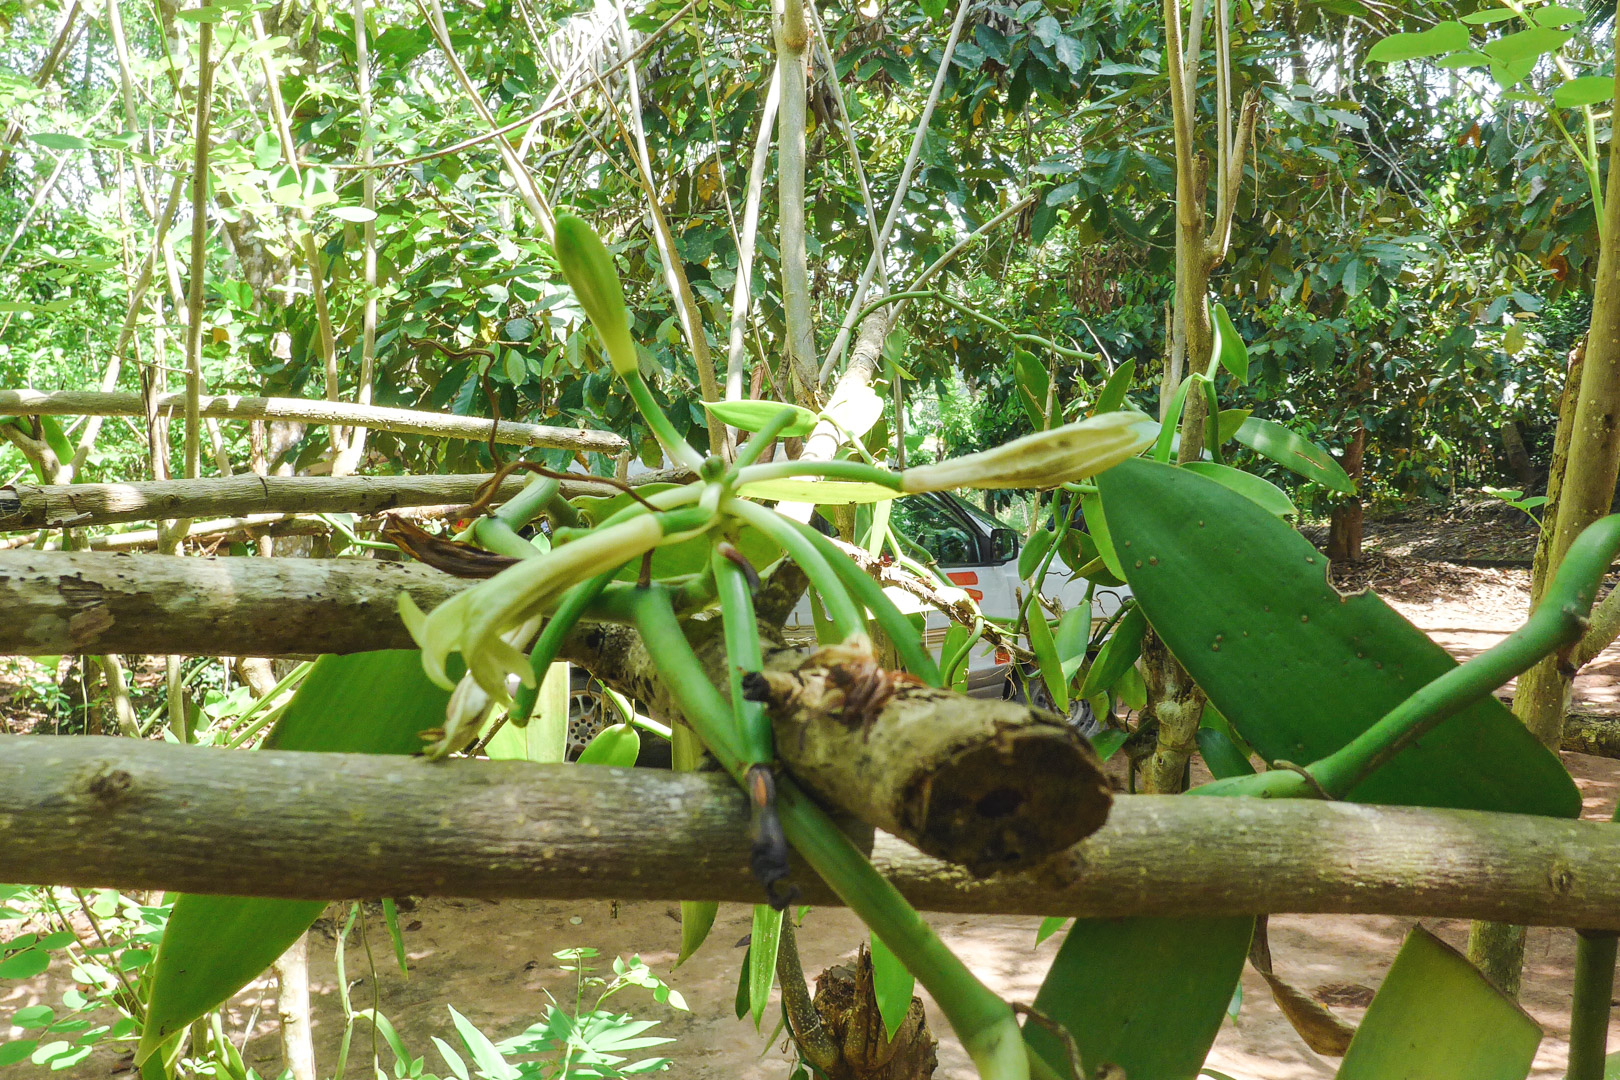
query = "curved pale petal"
{"x": 519, "y": 592}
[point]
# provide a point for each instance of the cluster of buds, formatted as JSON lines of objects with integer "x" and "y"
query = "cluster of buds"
{"x": 475, "y": 623}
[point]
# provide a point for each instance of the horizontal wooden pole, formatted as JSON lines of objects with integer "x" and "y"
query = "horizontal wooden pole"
{"x": 376, "y": 417}
{"x": 121, "y": 813}
{"x": 29, "y": 506}
{"x": 98, "y": 602}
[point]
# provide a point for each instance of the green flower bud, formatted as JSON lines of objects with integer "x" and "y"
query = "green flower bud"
{"x": 591, "y": 274}
{"x": 1043, "y": 460}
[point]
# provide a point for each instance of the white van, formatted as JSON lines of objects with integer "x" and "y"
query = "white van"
{"x": 979, "y": 554}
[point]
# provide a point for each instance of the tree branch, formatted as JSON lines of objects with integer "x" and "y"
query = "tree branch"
{"x": 231, "y": 407}
{"x": 29, "y": 506}
{"x": 122, "y": 813}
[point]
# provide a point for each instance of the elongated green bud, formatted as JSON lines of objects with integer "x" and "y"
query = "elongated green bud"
{"x": 1043, "y": 460}
{"x": 591, "y": 274}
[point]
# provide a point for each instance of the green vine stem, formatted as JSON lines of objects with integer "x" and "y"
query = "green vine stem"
{"x": 907, "y": 643}
{"x": 1589, "y": 1007}
{"x": 1558, "y": 622}
{"x": 985, "y": 1024}
{"x": 531, "y": 502}
{"x": 495, "y": 534}
{"x": 846, "y": 617}
{"x": 678, "y": 449}
{"x": 742, "y": 654}
{"x": 574, "y": 604}
{"x": 749, "y": 452}
{"x": 833, "y": 470}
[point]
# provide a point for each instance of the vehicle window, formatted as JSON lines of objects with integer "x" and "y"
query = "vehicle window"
{"x": 932, "y": 527}
{"x": 990, "y": 520}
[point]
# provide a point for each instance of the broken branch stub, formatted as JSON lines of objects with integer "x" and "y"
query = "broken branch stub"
{"x": 990, "y": 785}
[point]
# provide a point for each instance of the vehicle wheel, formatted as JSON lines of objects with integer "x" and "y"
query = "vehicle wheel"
{"x": 1080, "y": 716}
{"x": 587, "y": 715}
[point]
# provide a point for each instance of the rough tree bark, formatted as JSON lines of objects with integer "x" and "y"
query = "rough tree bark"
{"x": 231, "y": 407}
{"x": 94, "y": 811}
{"x": 1344, "y": 529}
{"x": 29, "y": 506}
{"x": 1578, "y": 495}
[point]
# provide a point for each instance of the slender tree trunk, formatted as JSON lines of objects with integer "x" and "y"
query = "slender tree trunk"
{"x": 1344, "y": 531}
{"x": 1177, "y": 704}
{"x": 292, "y": 1009}
{"x": 1518, "y": 457}
{"x": 1583, "y": 494}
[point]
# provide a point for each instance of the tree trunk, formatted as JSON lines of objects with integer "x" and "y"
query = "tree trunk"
{"x": 1176, "y": 704}
{"x": 1344, "y": 530}
{"x": 1524, "y": 472}
{"x": 1584, "y": 493}
{"x": 847, "y": 1004}
{"x": 292, "y": 1010}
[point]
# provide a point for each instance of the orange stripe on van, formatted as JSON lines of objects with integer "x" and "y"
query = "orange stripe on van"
{"x": 964, "y": 577}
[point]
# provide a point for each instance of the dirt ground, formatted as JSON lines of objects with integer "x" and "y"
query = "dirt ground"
{"x": 494, "y": 963}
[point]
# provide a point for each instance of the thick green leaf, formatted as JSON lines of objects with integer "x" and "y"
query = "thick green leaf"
{"x": 1097, "y": 525}
{"x": 1073, "y": 635}
{"x": 1107, "y": 743}
{"x": 1296, "y": 668}
{"x": 366, "y": 703}
{"x": 616, "y": 744}
{"x": 1229, "y": 347}
{"x": 1147, "y": 995}
{"x": 1250, "y": 486}
{"x": 1287, "y": 449}
{"x": 892, "y": 985}
{"x": 762, "y": 947}
{"x": 1029, "y": 559}
{"x": 1436, "y": 1017}
{"x": 1033, "y": 382}
{"x": 1586, "y": 90}
{"x": 1230, "y": 421}
{"x": 1045, "y": 650}
{"x": 1113, "y": 391}
{"x": 1119, "y": 652}
{"x": 753, "y": 415}
{"x": 1049, "y": 926}
{"x": 1443, "y": 38}
{"x": 544, "y": 739}
{"x": 1221, "y": 754}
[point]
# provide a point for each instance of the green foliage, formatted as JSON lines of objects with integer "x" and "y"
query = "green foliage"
{"x": 1282, "y": 633}
{"x": 375, "y": 703}
{"x": 109, "y": 965}
{"x": 1436, "y": 1016}
{"x": 1147, "y": 995}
